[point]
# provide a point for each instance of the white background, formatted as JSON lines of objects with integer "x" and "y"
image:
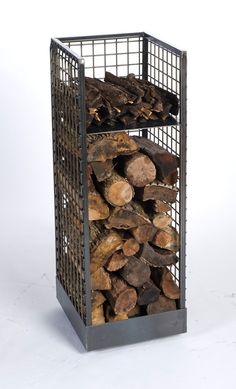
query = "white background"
{"x": 38, "y": 348}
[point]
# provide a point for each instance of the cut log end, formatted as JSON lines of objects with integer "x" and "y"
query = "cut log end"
{"x": 130, "y": 247}
{"x": 163, "y": 304}
{"x": 140, "y": 170}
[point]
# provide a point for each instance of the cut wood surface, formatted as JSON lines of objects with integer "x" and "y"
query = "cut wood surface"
{"x": 109, "y": 146}
{"x": 97, "y": 298}
{"x": 136, "y": 311}
{"x": 162, "y": 220}
{"x": 116, "y": 261}
{"x": 100, "y": 280}
{"x": 144, "y": 233}
{"x": 148, "y": 293}
{"x": 130, "y": 247}
{"x": 135, "y": 272}
{"x": 103, "y": 244}
{"x": 98, "y": 315}
{"x": 167, "y": 238}
{"x": 165, "y": 162}
{"x": 168, "y": 285}
{"x": 126, "y": 217}
{"x": 157, "y": 257}
{"x": 102, "y": 170}
{"x": 140, "y": 170}
{"x": 122, "y": 296}
{"x": 158, "y": 192}
{"x": 163, "y": 304}
{"x": 117, "y": 190}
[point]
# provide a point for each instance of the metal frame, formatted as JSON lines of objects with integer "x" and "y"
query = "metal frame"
{"x": 159, "y": 63}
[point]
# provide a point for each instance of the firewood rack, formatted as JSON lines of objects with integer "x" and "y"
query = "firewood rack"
{"x": 71, "y": 59}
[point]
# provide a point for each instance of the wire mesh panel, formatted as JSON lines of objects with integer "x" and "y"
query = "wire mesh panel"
{"x": 149, "y": 59}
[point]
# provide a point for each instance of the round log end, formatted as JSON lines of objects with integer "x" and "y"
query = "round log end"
{"x": 140, "y": 170}
{"x": 126, "y": 301}
{"x": 120, "y": 193}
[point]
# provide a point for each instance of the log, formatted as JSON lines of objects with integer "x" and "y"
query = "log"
{"x": 117, "y": 190}
{"x": 135, "y": 272}
{"x": 98, "y": 315}
{"x": 157, "y": 257}
{"x": 157, "y": 192}
{"x": 169, "y": 286}
{"x": 163, "y": 304}
{"x": 109, "y": 92}
{"x": 128, "y": 216}
{"x": 167, "y": 238}
{"x": 111, "y": 316}
{"x": 136, "y": 311}
{"x": 102, "y": 170}
{"x": 148, "y": 293}
{"x": 122, "y": 296}
{"x": 97, "y": 298}
{"x": 116, "y": 261}
{"x": 97, "y": 208}
{"x": 139, "y": 170}
{"x": 100, "y": 280}
{"x": 161, "y": 220}
{"x": 109, "y": 146}
{"x": 161, "y": 206}
{"x": 166, "y": 163}
{"x": 144, "y": 233}
{"x": 125, "y": 83}
{"x": 103, "y": 244}
{"x": 130, "y": 247}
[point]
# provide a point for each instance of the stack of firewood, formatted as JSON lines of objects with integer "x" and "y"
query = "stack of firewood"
{"x": 131, "y": 184}
{"x": 126, "y": 100}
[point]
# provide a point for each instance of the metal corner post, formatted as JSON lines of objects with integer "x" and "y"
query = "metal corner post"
{"x": 145, "y": 70}
{"x": 85, "y": 193}
{"x": 183, "y": 173}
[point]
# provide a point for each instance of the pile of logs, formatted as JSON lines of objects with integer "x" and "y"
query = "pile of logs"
{"x": 126, "y": 100}
{"x": 132, "y": 185}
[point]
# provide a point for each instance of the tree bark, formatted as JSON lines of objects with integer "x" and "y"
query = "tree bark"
{"x": 128, "y": 216}
{"x": 102, "y": 170}
{"x": 122, "y": 297}
{"x": 97, "y": 208}
{"x": 157, "y": 257}
{"x": 111, "y": 316}
{"x": 163, "y": 304}
{"x": 148, "y": 293}
{"x": 135, "y": 272}
{"x": 158, "y": 192}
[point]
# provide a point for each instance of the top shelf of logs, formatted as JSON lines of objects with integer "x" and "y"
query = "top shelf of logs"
{"x": 119, "y": 103}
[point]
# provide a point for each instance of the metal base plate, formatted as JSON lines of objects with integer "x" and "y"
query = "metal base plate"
{"x": 122, "y": 332}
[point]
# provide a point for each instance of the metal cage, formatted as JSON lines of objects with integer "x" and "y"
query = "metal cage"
{"x": 71, "y": 59}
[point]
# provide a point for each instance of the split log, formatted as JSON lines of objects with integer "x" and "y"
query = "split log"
{"x": 98, "y": 315}
{"x": 111, "y": 316}
{"x": 157, "y": 257}
{"x": 97, "y": 298}
{"x": 169, "y": 286}
{"x": 130, "y": 247}
{"x": 122, "y": 296}
{"x": 166, "y": 163}
{"x": 116, "y": 261}
{"x": 109, "y": 92}
{"x": 103, "y": 244}
{"x": 127, "y": 84}
{"x": 102, "y": 170}
{"x": 161, "y": 206}
{"x": 157, "y": 192}
{"x": 126, "y": 217}
{"x": 136, "y": 311}
{"x": 100, "y": 280}
{"x": 117, "y": 190}
{"x": 135, "y": 272}
{"x": 163, "y": 304}
{"x": 161, "y": 220}
{"x": 97, "y": 208}
{"x": 167, "y": 238}
{"x": 109, "y": 146}
{"x": 144, "y": 233}
{"x": 148, "y": 293}
{"x": 139, "y": 170}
